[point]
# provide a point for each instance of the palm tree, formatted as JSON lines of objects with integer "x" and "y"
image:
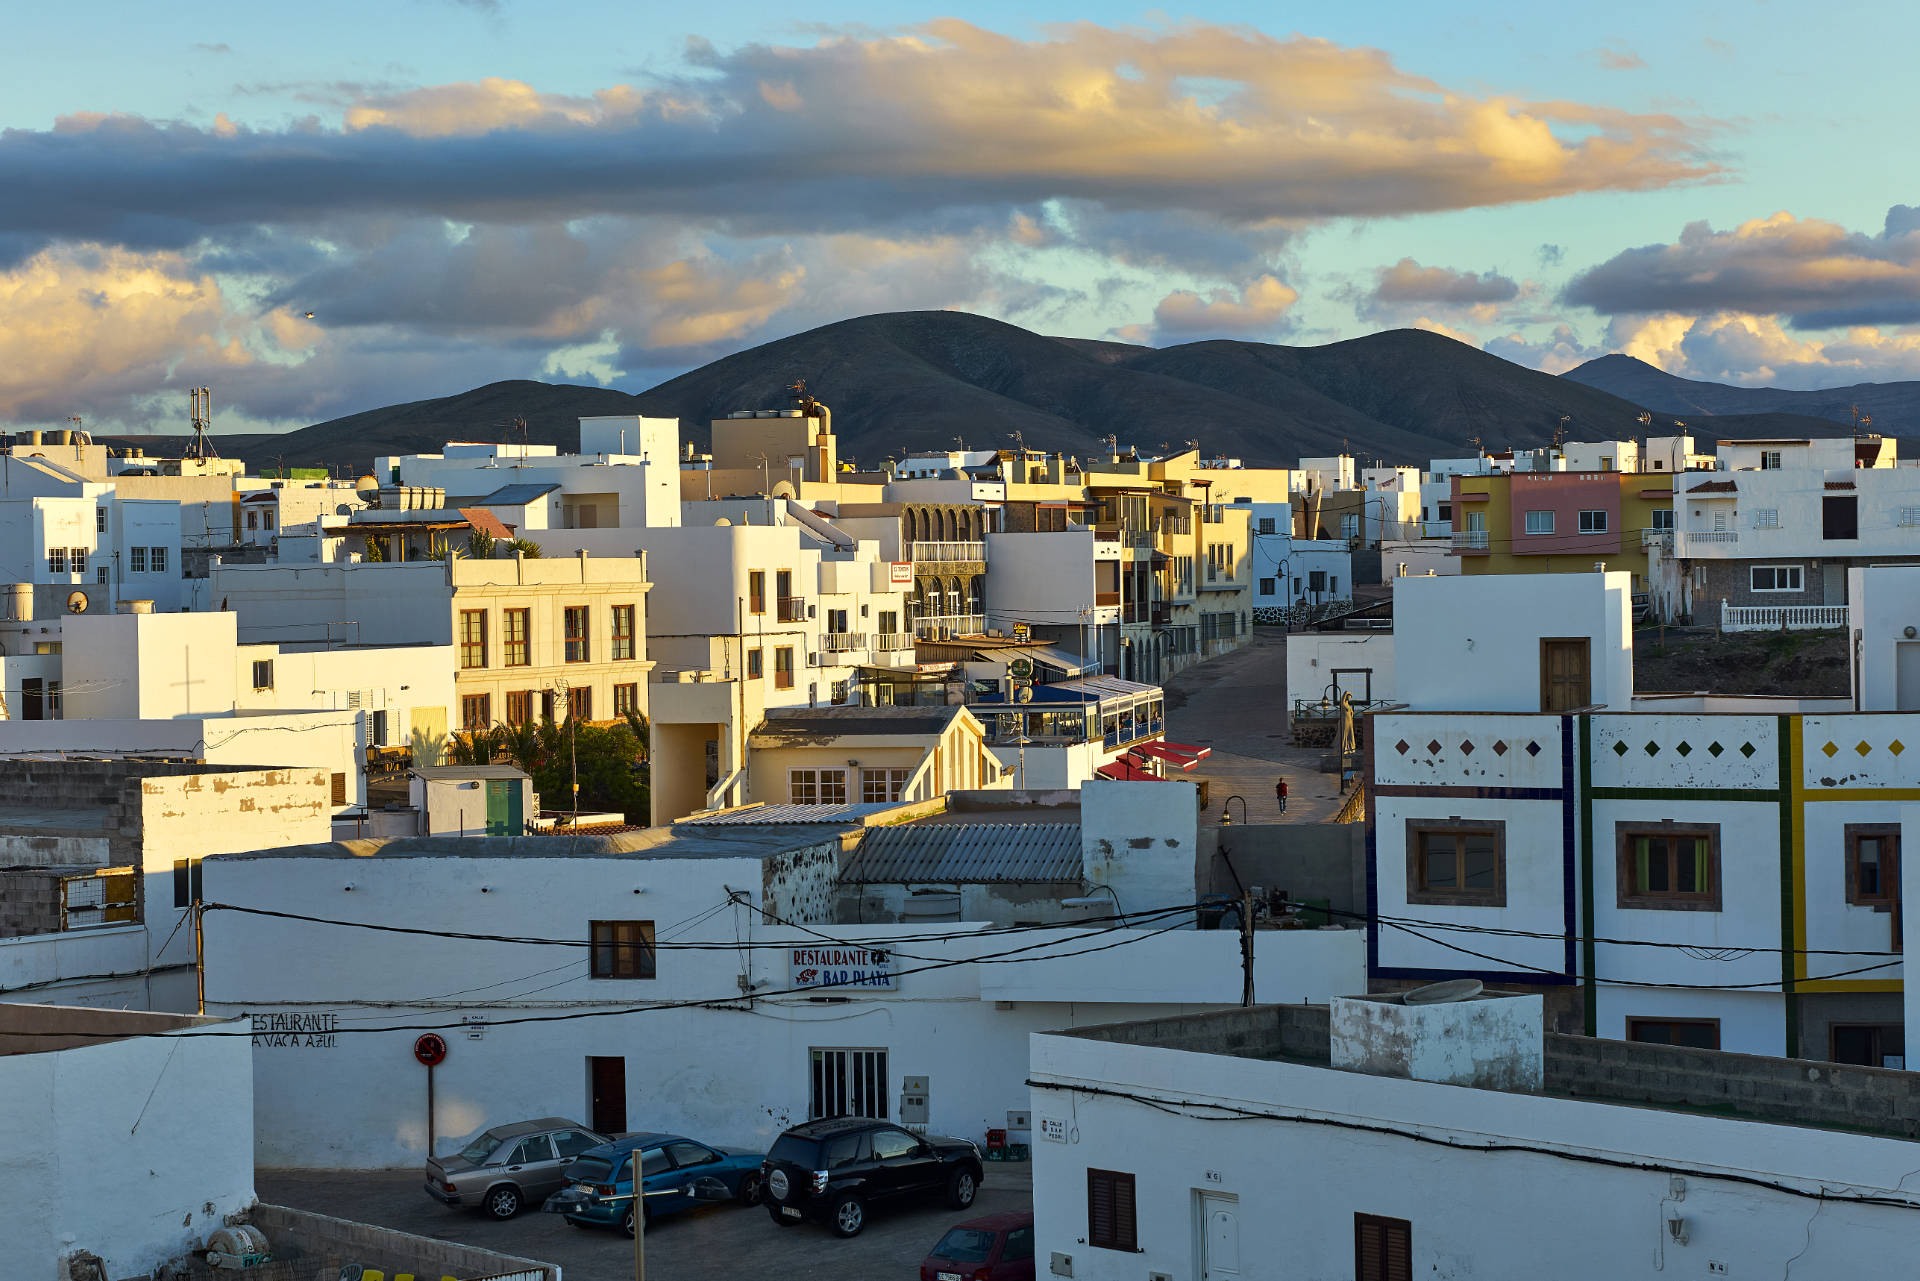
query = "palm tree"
{"x": 527, "y": 549}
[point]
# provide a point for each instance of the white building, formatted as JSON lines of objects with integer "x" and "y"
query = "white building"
{"x": 1382, "y": 1142}
{"x": 1883, "y": 617}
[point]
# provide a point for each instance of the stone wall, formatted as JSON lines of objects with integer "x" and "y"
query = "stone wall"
{"x": 314, "y": 1247}
{"x": 1307, "y": 860}
{"x": 29, "y": 901}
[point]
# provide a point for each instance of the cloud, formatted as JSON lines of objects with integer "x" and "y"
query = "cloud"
{"x": 1561, "y": 350}
{"x": 1408, "y": 282}
{"x": 1551, "y": 255}
{"x": 1618, "y": 59}
{"x": 1258, "y": 307}
{"x": 1817, "y": 273}
{"x": 203, "y": 47}
{"x": 1758, "y": 351}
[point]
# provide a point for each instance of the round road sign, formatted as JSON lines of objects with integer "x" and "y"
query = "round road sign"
{"x": 430, "y": 1049}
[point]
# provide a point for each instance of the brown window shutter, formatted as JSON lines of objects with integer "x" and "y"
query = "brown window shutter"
{"x": 339, "y": 789}
{"x": 1399, "y": 1243}
{"x": 1110, "y": 1211}
{"x": 1382, "y": 1248}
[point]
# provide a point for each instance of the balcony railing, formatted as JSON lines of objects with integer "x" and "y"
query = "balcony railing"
{"x": 842, "y": 642}
{"x": 935, "y": 626}
{"x": 1470, "y": 540}
{"x": 1137, "y": 537}
{"x": 1695, "y": 536}
{"x": 793, "y": 609}
{"x": 892, "y": 642}
{"x": 1661, "y": 538}
{"x": 1776, "y": 618}
{"x": 948, "y": 552}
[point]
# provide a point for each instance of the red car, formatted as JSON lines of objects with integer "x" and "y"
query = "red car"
{"x": 998, "y": 1247}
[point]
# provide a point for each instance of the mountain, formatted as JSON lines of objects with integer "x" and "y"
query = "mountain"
{"x": 1894, "y": 406}
{"x": 907, "y": 381}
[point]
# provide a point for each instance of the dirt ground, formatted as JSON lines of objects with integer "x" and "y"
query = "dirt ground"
{"x": 1693, "y": 661}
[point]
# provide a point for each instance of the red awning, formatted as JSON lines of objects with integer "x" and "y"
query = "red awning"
{"x": 1124, "y": 770}
{"x": 1183, "y": 755}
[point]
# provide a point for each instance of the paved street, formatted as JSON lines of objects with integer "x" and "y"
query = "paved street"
{"x": 730, "y": 1242}
{"x": 1238, "y": 706}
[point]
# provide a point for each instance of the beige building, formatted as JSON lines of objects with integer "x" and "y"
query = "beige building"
{"x": 868, "y": 755}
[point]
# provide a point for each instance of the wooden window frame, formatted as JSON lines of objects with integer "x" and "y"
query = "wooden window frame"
{"x": 1888, "y": 900}
{"x": 626, "y": 698}
{"x": 1670, "y": 901}
{"x": 623, "y": 628}
{"x": 1636, "y": 1021}
{"x": 783, "y": 675}
{"x": 263, "y": 673}
{"x": 519, "y": 649}
{"x": 756, "y": 664}
{"x": 1115, "y": 1193}
{"x": 1386, "y": 1226}
{"x": 520, "y": 701}
{"x": 482, "y": 703}
{"x": 756, "y": 591}
{"x": 1419, "y": 894}
{"x": 473, "y": 639}
{"x": 610, "y": 957}
{"x": 580, "y": 703}
{"x": 578, "y": 645}
{"x": 1879, "y": 1029}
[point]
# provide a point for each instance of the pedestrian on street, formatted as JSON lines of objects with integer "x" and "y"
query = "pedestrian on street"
{"x": 1280, "y": 794}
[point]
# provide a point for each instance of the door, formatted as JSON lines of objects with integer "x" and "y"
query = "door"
{"x": 607, "y": 1093}
{"x": 901, "y": 1164}
{"x": 1906, "y": 676}
{"x": 1016, "y": 1256}
{"x": 1219, "y": 1237}
{"x": 1833, "y": 583}
{"x": 1565, "y": 678}
{"x": 535, "y": 1167}
{"x": 503, "y": 807}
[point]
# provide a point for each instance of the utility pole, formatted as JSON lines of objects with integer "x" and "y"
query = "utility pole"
{"x": 639, "y": 1222}
{"x": 1246, "y": 946}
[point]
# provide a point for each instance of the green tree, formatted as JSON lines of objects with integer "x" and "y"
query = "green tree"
{"x": 612, "y": 762}
{"x": 530, "y": 550}
{"x": 480, "y": 544}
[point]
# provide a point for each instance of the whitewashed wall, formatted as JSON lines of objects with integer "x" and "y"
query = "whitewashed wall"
{"x": 1313, "y": 657}
{"x": 1480, "y": 637}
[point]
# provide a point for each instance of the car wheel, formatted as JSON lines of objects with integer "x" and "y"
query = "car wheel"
{"x": 749, "y": 1193}
{"x": 626, "y": 1221}
{"x": 773, "y": 1212}
{"x": 962, "y": 1188}
{"x": 849, "y": 1215}
{"x": 502, "y": 1202}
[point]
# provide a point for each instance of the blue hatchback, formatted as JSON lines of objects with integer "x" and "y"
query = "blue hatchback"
{"x": 600, "y": 1181}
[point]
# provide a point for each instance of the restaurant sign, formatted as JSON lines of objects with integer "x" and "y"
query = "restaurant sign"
{"x": 835, "y": 966}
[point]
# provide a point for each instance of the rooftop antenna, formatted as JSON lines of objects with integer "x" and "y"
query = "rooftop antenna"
{"x": 201, "y": 411}
{"x": 1561, "y": 429}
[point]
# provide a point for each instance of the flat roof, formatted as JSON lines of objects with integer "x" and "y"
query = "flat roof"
{"x": 800, "y": 724}
{"x": 680, "y": 841}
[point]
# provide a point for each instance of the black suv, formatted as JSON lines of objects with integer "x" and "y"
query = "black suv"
{"x": 829, "y": 1171}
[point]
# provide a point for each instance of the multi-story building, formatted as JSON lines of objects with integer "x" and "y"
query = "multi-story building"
{"x": 1560, "y": 521}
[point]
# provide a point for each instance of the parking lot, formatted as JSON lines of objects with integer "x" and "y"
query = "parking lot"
{"x": 730, "y": 1241}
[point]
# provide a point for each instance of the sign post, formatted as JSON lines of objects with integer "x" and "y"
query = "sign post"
{"x": 431, "y": 1050}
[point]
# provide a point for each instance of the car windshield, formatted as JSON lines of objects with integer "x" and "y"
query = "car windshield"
{"x": 477, "y": 1152}
{"x": 591, "y": 1169}
{"x": 795, "y": 1150}
{"x": 965, "y": 1245}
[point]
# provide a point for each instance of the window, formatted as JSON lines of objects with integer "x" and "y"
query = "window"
{"x": 1840, "y": 517}
{"x": 1670, "y": 865}
{"x": 253, "y": 520}
{"x": 78, "y": 555}
{"x": 1873, "y": 871}
{"x": 56, "y": 560}
{"x": 1350, "y": 525}
{"x": 622, "y": 633}
{"x": 1457, "y": 861}
{"x": 186, "y": 882}
{"x": 519, "y": 706}
{"x": 1593, "y": 522}
{"x": 1774, "y": 578}
{"x": 1446, "y": 513}
{"x": 100, "y": 575}
{"x": 339, "y": 790}
{"x": 1909, "y": 517}
{"x": 1266, "y": 524}
{"x": 783, "y": 585}
{"x": 473, "y": 638}
{"x": 626, "y": 698}
{"x": 847, "y": 1083}
{"x": 1333, "y": 584}
{"x": 476, "y": 711}
{"x": 686, "y": 1154}
{"x": 889, "y": 1144}
{"x": 1539, "y": 522}
{"x": 1868, "y": 1044}
{"x": 783, "y": 667}
{"x": 99, "y": 520}
{"x": 1266, "y": 587}
{"x": 1382, "y": 1249}
{"x": 580, "y": 703}
{"x": 1663, "y": 518}
{"x": 753, "y": 664}
{"x": 839, "y": 692}
{"x": 518, "y": 623}
{"x": 535, "y": 1147}
{"x": 1110, "y": 1211}
{"x": 157, "y": 559}
{"x": 377, "y": 728}
{"x": 136, "y": 560}
{"x": 568, "y": 1143}
{"x": 879, "y": 786}
{"x": 578, "y": 650}
{"x": 1694, "y": 1034}
{"x": 1769, "y": 460}
{"x": 622, "y": 950}
{"x": 837, "y": 621}
{"x": 1316, "y": 580}
{"x": 817, "y": 786}
{"x": 263, "y": 673}
{"x": 757, "y": 591}
{"x": 1766, "y": 518}
{"x": 889, "y": 622}
{"x": 1019, "y": 1244}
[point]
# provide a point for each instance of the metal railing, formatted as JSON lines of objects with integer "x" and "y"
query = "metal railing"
{"x": 1470, "y": 540}
{"x": 938, "y": 625}
{"x": 1776, "y": 618}
{"x": 842, "y": 642}
{"x": 948, "y": 551}
{"x": 1712, "y": 536}
{"x": 793, "y": 609}
{"x": 892, "y": 642}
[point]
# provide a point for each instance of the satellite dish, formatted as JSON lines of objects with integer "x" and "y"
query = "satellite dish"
{"x": 1444, "y": 993}
{"x": 1026, "y": 694}
{"x": 77, "y": 603}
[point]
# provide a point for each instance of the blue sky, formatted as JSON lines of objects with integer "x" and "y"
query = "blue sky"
{"x": 461, "y": 192}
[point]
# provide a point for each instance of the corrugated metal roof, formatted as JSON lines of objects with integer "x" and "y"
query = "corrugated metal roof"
{"x": 838, "y": 815}
{"x": 967, "y": 853}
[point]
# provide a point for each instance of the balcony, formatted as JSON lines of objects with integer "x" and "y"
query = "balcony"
{"x": 842, "y": 642}
{"x": 892, "y": 642}
{"x": 1661, "y": 538}
{"x": 793, "y": 609}
{"x": 948, "y": 552}
{"x": 939, "y": 626}
{"x": 1696, "y": 537}
{"x": 1779, "y": 618}
{"x": 1470, "y": 540}
{"x": 1137, "y": 537}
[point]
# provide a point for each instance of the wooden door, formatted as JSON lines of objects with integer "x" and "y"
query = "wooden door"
{"x": 607, "y": 1093}
{"x": 1566, "y": 680}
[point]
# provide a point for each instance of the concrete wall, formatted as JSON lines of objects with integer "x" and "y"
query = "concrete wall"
{"x": 1308, "y": 861}
{"x": 1492, "y": 1042}
{"x": 1480, "y": 637}
{"x": 313, "y": 1247}
{"x": 103, "y": 968}
{"x": 165, "y": 1122}
{"x": 1139, "y": 840}
{"x": 1362, "y": 660}
{"x": 1882, "y": 603}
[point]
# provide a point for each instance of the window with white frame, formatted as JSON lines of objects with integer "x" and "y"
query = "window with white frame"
{"x": 157, "y": 559}
{"x": 1775, "y": 578}
{"x": 1663, "y": 518}
{"x": 1909, "y": 517}
{"x": 56, "y": 560}
{"x": 1766, "y": 518}
{"x": 1593, "y": 522}
{"x": 1769, "y": 460}
{"x": 1540, "y": 522}
{"x": 1350, "y": 525}
{"x": 817, "y": 786}
{"x": 136, "y": 560}
{"x": 879, "y": 786}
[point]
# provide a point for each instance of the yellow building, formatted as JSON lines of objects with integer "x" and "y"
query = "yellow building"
{"x": 1561, "y": 522}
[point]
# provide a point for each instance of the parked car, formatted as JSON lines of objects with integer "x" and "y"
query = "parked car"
{"x": 998, "y": 1247}
{"x": 830, "y": 1171}
{"x": 504, "y": 1169}
{"x": 670, "y": 1166}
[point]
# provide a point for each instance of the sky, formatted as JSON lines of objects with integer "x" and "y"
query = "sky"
{"x": 320, "y": 209}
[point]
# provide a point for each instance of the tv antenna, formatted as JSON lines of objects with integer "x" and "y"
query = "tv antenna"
{"x": 1561, "y": 429}
{"x": 201, "y": 412}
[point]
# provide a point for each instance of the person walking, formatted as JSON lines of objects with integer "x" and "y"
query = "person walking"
{"x": 1280, "y": 794}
